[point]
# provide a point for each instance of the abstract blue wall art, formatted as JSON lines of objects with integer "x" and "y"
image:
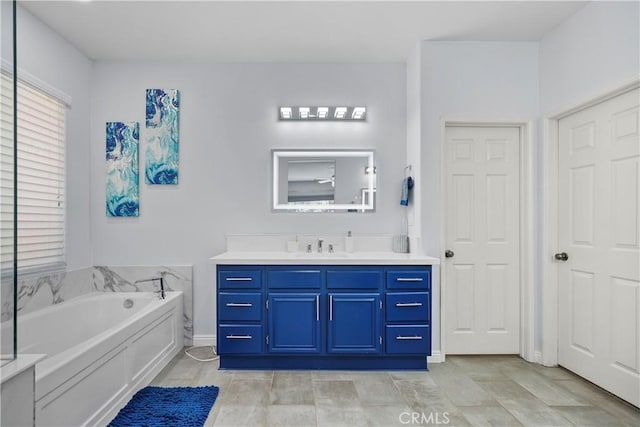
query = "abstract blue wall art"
{"x": 161, "y": 153}
{"x": 122, "y": 168}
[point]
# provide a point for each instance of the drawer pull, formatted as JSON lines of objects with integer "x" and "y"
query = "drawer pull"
{"x": 409, "y": 279}
{"x": 409, "y": 304}
{"x": 239, "y": 337}
{"x": 239, "y": 279}
{"x": 416, "y": 338}
{"x": 239, "y": 304}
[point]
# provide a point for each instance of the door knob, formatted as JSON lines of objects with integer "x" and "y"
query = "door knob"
{"x": 448, "y": 253}
{"x": 562, "y": 256}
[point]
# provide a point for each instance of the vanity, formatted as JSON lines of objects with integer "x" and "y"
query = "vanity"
{"x": 279, "y": 310}
{"x": 322, "y": 302}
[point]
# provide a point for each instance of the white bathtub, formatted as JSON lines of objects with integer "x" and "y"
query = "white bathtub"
{"x": 99, "y": 353}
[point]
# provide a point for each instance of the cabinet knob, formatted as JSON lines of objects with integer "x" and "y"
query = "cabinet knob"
{"x": 448, "y": 253}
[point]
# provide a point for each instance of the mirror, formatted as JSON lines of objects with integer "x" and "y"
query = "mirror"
{"x": 324, "y": 181}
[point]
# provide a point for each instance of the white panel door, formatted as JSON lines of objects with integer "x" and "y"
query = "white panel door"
{"x": 482, "y": 309}
{"x": 599, "y": 230}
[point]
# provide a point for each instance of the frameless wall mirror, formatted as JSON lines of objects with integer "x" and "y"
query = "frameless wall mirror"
{"x": 324, "y": 181}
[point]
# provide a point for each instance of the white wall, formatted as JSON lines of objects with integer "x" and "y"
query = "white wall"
{"x": 414, "y": 77}
{"x": 228, "y": 125}
{"x": 45, "y": 55}
{"x": 591, "y": 53}
{"x": 472, "y": 81}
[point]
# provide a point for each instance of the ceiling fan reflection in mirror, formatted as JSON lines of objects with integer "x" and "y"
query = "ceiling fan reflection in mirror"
{"x": 331, "y": 179}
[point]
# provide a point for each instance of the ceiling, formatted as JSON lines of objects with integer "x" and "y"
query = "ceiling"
{"x": 288, "y": 31}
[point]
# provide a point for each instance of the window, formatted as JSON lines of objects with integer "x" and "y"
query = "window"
{"x": 41, "y": 175}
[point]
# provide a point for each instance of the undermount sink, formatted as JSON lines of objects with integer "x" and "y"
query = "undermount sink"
{"x": 321, "y": 255}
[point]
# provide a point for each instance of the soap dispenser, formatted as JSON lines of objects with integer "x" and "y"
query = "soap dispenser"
{"x": 348, "y": 243}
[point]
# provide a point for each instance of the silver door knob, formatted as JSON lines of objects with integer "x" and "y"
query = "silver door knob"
{"x": 562, "y": 256}
{"x": 448, "y": 253}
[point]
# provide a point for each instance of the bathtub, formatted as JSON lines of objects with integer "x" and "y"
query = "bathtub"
{"x": 101, "y": 348}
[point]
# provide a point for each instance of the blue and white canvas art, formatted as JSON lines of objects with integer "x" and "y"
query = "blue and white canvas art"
{"x": 161, "y": 153}
{"x": 123, "y": 197}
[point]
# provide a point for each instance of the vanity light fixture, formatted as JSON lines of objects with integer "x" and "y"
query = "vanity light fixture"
{"x": 358, "y": 113}
{"x": 323, "y": 113}
{"x": 285, "y": 113}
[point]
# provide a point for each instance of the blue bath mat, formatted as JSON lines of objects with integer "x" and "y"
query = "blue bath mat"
{"x": 167, "y": 406}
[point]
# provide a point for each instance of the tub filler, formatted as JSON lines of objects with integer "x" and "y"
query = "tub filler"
{"x": 101, "y": 348}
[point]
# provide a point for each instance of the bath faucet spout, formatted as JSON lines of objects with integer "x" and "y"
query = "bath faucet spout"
{"x": 153, "y": 279}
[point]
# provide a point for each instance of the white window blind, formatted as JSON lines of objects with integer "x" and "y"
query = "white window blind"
{"x": 41, "y": 174}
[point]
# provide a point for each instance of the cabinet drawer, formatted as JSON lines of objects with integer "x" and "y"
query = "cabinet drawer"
{"x": 303, "y": 278}
{"x": 408, "y": 307}
{"x": 409, "y": 279}
{"x": 408, "y": 339}
{"x": 239, "y": 279}
{"x": 240, "y": 339}
{"x": 240, "y": 306}
{"x": 354, "y": 279}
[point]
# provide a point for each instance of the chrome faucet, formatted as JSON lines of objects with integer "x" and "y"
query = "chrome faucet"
{"x": 153, "y": 279}
{"x": 320, "y": 246}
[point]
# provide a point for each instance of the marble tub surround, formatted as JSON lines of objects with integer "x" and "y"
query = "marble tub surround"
{"x": 123, "y": 279}
{"x": 38, "y": 292}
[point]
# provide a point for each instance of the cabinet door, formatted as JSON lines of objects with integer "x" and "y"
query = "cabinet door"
{"x": 294, "y": 322}
{"x": 354, "y": 323}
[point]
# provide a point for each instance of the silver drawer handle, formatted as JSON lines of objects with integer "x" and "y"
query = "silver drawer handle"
{"x": 239, "y": 304}
{"x": 409, "y": 304}
{"x": 239, "y": 337}
{"x": 400, "y": 337}
{"x": 239, "y": 279}
{"x": 409, "y": 279}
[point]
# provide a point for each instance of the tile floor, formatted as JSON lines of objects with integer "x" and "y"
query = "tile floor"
{"x": 466, "y": 390}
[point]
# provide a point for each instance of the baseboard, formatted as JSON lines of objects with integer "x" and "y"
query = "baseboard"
{"x": 537, "y": 357}
{"x": 199, "y": 340}
{"x": 436, "y": 357}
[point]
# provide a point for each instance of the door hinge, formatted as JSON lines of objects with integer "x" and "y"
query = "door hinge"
{"x": 266, "y": 303}
{"x": 267, "y": 339}
{"x": 380, "y": 339}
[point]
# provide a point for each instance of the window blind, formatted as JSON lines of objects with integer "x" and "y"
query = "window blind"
{"x": 41, "y": 178}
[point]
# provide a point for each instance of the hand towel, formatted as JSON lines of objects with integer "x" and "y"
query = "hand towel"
{"x": 404, "y": 198}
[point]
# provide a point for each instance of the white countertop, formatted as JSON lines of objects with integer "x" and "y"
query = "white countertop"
{"x": 337, "y": 258}
{"x": 20, "y": 364}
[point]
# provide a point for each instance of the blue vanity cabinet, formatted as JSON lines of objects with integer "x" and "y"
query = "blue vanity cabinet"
{"x": 355, "y": 306}
{"x": 408, "y": 311}
{"x": 240, "y": 314}
{"x": 294, "y": 322}
{"x": 293, "y": 309}
{"x": 354, "y": 323}
{"x": 324, "y": 316}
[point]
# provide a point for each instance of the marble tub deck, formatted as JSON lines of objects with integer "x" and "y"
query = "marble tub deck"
{"x": 470, "y": 390}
